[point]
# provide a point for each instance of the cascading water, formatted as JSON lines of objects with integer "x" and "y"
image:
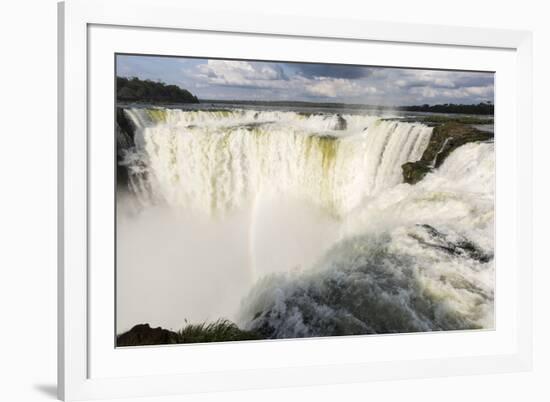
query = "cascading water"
{"x": 391, "y": 274}
{"x": 356, "y": 251}
{"x": 217, "y": 161}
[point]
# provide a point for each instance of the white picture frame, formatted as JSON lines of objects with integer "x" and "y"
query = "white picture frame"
{"x": 90, "y": 367}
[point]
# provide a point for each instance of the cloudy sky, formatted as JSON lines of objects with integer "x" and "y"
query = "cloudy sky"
{"x": 253, "y": 80}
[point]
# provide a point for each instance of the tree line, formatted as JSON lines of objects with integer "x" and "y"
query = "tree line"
{"x": 480, "y": 108}
{"x": 136, "y": 90}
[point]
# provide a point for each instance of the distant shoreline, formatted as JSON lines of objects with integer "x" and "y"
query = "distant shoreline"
{"x": 299, "y": 105}
{"x": 480, "y": 108}
{"x": 137, "y": 91}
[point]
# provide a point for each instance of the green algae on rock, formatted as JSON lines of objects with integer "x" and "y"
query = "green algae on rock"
{"x": 444, "y": 140}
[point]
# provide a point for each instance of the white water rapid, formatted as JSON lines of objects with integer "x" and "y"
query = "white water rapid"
{"x": 297, "y": 224}
{"x": 216, "y": 161}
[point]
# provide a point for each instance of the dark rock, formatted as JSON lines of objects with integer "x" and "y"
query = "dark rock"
{"x": 458, "y": 245}
{"x": 413, "y": 172}
{"x": 125, "y": 132}
{"x": 143, "y": 334}
{"x": 126, "y": 126}
{"x": 218, "y": 331}
{"x": 341, "y": 123}
{"x": 444, "y": 140}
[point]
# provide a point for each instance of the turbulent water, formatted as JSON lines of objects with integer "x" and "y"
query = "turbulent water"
{"x": 418, "y": 258}
{"x": 375, "y": 255}
{"x": 217, "y": 161}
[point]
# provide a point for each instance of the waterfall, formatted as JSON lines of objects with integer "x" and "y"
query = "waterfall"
{"x": 319, "y": 236}
{"x": 420, "y": 258}
{"x": 217, "y": 161}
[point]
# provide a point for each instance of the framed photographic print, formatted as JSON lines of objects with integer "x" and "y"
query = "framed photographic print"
{"x": 263, "y": 201}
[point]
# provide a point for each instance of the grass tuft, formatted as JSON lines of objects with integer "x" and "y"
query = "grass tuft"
{"x": 221, "y": 330}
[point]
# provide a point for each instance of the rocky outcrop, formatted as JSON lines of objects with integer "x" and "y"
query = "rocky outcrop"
{"x": 125, "y": 141}
{"x": 444, "y": 140}
{"x": 451, "y": 243}
{"x": 143, "y": 334}
{"x": 125, "y": 126}
{"x": 413, "y": 172}
{"x": 341, "y": 123}
{"x": 218, "y": 331}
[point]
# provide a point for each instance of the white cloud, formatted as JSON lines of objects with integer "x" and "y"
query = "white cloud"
{"x": 454, "y": 94}
{"x": 231, "y": 72}
{"x": 269, "y": 80}
{"x": 333, "y": 87}
{"x": 267, "y": 76}
{"x": 421, "y": 78}
{"x": 480, "y": 91}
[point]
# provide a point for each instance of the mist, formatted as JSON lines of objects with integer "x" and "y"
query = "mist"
{"x": 176, "y": 267}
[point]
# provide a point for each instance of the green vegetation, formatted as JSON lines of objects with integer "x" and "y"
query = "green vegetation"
{"x": 441, "y": 119}
{"x": 480, "y": 108}
{"x": 219, "y": 331}
{"x": 147, "y": 91}
{"x": 483, "y": 108}
{"x": 444, "y": 140}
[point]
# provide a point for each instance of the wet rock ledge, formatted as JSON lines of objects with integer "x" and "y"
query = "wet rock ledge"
{"x": 218, "y": 331}
{"x": 444, "y": 140}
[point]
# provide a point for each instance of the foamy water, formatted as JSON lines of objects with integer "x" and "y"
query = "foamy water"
{"x": 299, "y": 225}
{"x": 218, "y": 161}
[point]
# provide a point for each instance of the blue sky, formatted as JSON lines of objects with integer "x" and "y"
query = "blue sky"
{"x": 255, "y": 80}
